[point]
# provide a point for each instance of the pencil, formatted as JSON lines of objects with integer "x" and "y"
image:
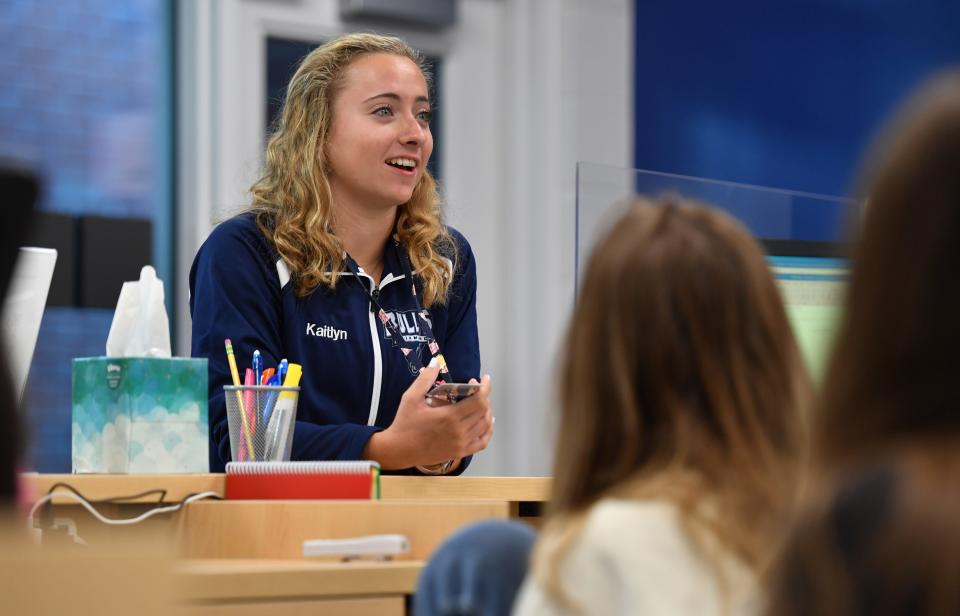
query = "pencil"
{"x": 243, "y": 415}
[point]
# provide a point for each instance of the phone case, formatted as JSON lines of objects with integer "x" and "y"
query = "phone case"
{"x": 453, "y": 392}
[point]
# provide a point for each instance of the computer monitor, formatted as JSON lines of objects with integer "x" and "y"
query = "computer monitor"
{"x": 23, "y": 310}
{"x": 812, "y": 277}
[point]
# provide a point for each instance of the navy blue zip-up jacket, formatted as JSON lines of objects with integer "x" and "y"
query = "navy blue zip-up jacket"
{"x": 353, "y": 377}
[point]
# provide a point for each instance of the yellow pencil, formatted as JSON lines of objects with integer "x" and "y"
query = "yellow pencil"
{"x": 243, "y": 415}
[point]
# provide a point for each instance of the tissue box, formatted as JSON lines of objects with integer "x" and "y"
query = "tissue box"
{"x": 140, "y": 415}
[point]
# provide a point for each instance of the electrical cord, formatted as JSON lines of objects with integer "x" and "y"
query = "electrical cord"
{"x": 86, "y": 503}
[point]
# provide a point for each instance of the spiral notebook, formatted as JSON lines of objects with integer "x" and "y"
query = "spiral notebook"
{"x": 303, "y": 480}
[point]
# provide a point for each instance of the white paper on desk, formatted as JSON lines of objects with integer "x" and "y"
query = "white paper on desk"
{"x": 140, "y": 326}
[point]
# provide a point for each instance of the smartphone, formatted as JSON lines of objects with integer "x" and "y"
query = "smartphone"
{"x": 451, "y": 393}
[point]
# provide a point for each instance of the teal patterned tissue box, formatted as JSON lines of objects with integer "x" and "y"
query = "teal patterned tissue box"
{"x": 140, "y": 415}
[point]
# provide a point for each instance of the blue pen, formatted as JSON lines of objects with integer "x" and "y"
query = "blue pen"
{"x": 257, "y": 371}
{"x": 257, "y": 365}
{"x": 271, "y": 398}
{"x": 282, "y": 369}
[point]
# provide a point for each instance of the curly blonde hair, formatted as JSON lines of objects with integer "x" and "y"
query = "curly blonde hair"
{"x": 293, "y": 200}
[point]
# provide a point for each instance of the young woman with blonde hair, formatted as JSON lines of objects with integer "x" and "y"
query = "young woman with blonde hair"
{"x": 681, "y": 413}
{"x": 343, "y": 265}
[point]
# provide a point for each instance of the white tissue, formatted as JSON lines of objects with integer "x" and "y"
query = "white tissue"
{"x": 140, "y": 327}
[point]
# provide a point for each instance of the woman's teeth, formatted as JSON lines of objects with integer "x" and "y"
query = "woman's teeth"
{"x": 402, "y": 163}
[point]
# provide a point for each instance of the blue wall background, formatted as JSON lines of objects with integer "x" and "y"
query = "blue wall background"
{"x": 783, "y": 94}
{"x": 86, "y": 101}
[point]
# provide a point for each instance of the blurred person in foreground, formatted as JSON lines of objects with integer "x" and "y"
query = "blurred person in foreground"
{"x": 886, "y": 444}
{"x": 886, "y": 542}
{"x": 10, "y": 450}
{"x": 20, "y": 187}
{"x": 682, "y": 397}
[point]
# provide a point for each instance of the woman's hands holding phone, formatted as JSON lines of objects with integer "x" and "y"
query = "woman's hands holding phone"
{"x": 427, "y": 431}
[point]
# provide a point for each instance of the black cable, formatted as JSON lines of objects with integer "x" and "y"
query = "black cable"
{"x": 113, "y": 499}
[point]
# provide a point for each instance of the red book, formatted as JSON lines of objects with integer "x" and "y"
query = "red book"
{"x": 303, "y": 480}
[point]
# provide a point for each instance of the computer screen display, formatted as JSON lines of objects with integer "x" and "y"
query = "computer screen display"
{"x": 813, "y": 293}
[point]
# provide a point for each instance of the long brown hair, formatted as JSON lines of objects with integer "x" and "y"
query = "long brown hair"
{"x": 292, "y": 198}
{"x": 893, "y": 374}
{"x": 680, "y": 380}
{"x": 882, "y": 541}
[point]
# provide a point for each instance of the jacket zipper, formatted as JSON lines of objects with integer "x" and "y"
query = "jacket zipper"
{"x": 375, "y": 341}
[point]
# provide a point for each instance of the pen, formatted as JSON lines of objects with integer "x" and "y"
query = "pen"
{"x": 271, "y": 397}
{"x": 236, "y": 381}
{"x": 249, "y": 400}
{"x": 257, "y": 365}
{"x": 266, "y": 379}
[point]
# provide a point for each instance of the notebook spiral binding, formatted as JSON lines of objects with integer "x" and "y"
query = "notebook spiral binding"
{"x": 303, "y": 468}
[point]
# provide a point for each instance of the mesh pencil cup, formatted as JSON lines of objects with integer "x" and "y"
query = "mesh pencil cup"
{"x": 261, "y": 420}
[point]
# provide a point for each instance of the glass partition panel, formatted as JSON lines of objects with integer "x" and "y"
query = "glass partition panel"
{"x": 803, "y": 235}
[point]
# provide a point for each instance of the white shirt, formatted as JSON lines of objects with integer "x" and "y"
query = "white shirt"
{"x": 633, "y": 557}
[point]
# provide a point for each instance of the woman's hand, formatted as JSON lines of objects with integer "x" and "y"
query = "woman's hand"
{"x": 425, "y": 434}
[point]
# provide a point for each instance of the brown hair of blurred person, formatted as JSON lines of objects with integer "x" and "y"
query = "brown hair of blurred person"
{"x": 885, "y": 543}
{"x": 11, "y": 449}
{"x": 681, "y": 380}
{"x": 20, "y": 187}
{"x": 893, "y": 374}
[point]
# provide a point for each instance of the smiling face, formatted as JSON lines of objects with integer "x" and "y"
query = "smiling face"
{"x": 379, "y": 140}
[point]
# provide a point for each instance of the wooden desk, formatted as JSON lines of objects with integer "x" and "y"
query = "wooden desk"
{"x": 129, "y": 578}
{"x": 514, "y": 490}
{"x": 524, "y": 495}
{"x": 277, "y": 529}
{"x": 286, "y": 587}
{"x": 266, "y": 573}
{"x": 112, "y": 581}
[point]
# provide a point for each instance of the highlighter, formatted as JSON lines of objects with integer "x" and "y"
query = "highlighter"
{"x": 280, "y": 426}
{"x": 292, "y": 379}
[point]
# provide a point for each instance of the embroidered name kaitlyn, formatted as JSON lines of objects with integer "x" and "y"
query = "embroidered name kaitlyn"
{"x": 326, "y": 331}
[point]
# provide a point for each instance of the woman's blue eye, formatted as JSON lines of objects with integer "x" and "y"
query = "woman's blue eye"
{"x": 424, "y": 116}
{"x": 382, "y": 111}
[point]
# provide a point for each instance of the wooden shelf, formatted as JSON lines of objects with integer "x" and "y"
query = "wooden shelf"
{"x": 240, "y": 579}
